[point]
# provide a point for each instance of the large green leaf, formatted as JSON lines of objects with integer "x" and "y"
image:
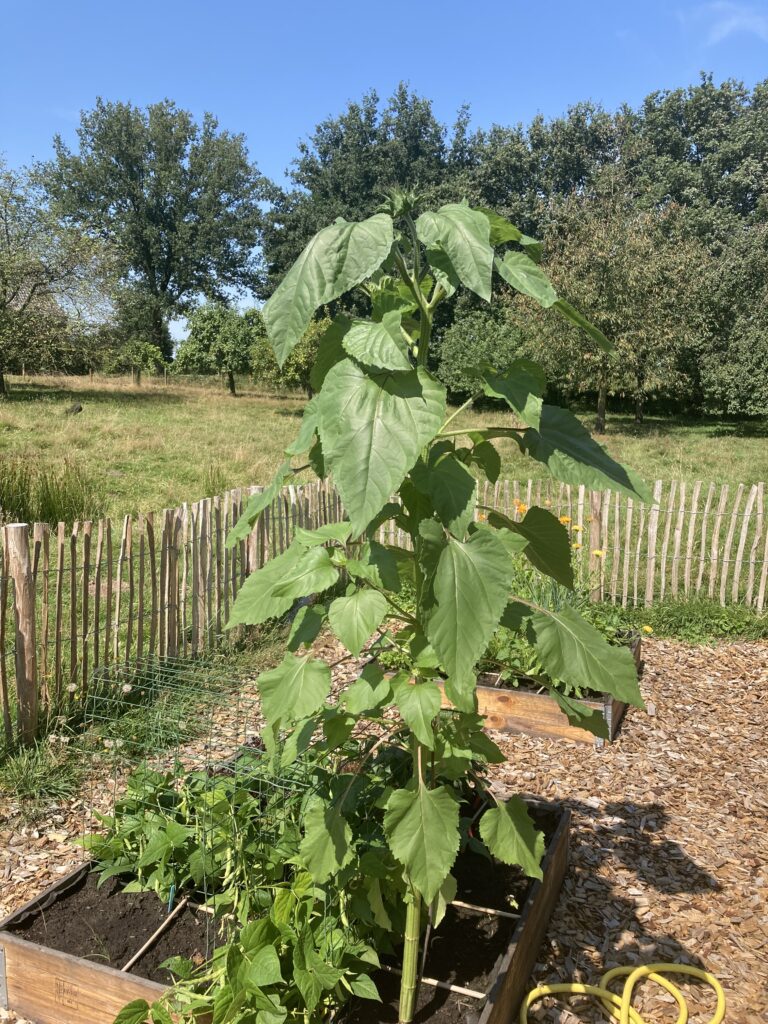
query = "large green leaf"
{"x": 373, "y": 427}
{"x": 549, "y": 546}
{"x": 419, "y": 703}
{"x": 470, "y": 588}
{"x": 311, "y": 973}
{"x": 570, "y": 313}
{"x": 573, "y": 650}
{"x": 327, "y": 844}
{"x": 306, "y": 626}
{"x": 324, "y": 534}
{"x": 422, "y": 828}
{"x": 307, "y": 430}
{"x": 527, "y": 277}
{"x": 312, "y": 573}
{"x": 377, "y": 564}
{"x": 573, "y": 456}
{"x": 338, "y": 258}
{"x": 135, "y": 1012}
{"x": 256, "y": 505}
{"x": 261, "y": 968}
{"x": 354, "y": 618}
{"x": 378, "y": 344}
{"x": 451, "y": 488}
{"x": 257, "y": 600}
{"x": 463, "y": 235}
{"x": 294, "y": 690}
{"x": 520, "y": 385}
{"x": 580, "y": 714}
{"x": 503, "y": 231}
{"x": 509, "y": 833}
{"x": 330, "y": 350}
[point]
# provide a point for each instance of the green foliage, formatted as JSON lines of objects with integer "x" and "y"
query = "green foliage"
{"x": 699, "y": 621}
{"x": 41, "y": 775}
{"x": 475, "y": 337}
{"x": 219, "y": 341}
{"x": 178, "y": 202}
{"x": 49, "y": 496}
{"x": 381, "y": 425}
{"x": 294, "y": 374}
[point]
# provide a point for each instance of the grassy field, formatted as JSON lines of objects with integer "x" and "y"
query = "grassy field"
{"x": 155, "y": 446}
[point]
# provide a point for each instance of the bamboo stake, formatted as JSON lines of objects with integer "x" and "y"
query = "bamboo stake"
{"x": 616, "y": 546}
{"x": 162, "y": 927}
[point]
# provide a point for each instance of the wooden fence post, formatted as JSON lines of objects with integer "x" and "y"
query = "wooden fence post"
{"x": 20, "y": 571}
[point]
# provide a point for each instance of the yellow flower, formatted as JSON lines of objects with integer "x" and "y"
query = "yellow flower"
{"x": 548, "y": 503}
{"x": 576, "y": 528}
{"x": 565, "y": 520}
{"x": 520, "y": 508}
{"x": 576, "y": 544}
{"x": 482, "y": 516}
{"x": 647, "y": 629}
{"x": 598, "y": 553}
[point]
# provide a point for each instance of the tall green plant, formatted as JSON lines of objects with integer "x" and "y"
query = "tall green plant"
{"x": 379, "y": 424}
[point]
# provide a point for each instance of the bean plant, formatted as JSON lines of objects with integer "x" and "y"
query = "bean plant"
{"x": 380, "y": 426}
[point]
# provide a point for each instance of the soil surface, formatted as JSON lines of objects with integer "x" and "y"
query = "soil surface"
{"x": 108, "y": 926}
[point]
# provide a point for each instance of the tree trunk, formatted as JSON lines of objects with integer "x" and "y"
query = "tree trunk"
{"x": 602, "y": 398}
{"x": 136, "y": 376}
{"x": 3, "y": 386}
{"x": 639, "y": 412}
{"x": 231, "y": 382}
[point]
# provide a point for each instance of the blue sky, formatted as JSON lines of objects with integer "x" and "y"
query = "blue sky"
{"x": 273, "y": 70}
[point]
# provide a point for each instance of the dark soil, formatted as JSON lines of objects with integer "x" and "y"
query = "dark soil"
{"x": 466, "y": 949}
{"x": 108, "y": 926}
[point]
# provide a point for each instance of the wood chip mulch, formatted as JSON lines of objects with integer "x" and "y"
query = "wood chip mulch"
{"x": 669, "y": 846}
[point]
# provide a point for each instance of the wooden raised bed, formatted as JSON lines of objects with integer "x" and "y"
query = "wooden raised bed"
{"x": 47, "y": 986}
{"x": 525, "y": 711}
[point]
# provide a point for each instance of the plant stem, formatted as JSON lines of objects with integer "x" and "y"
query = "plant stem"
{"x": 461, "y": 409}
{"x": 409, "y": 980}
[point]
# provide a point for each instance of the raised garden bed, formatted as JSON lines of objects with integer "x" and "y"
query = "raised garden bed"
{"x": 61, "y": 954}
{"x": 524, "y": 710}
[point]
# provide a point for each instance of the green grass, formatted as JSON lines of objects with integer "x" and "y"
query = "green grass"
{"x": 154, "y": 446}
{"x": 40, "y": 776}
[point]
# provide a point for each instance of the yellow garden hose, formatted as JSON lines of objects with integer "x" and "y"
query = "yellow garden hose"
{"x": 619, "y": 1007}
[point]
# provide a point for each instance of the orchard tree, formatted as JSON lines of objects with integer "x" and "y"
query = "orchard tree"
{"x": 49, "y": 274}
{"x": 219, "y": 341}
{"x": 642, "y": 280}
{"x": 296, "y": 372}
{"x": 178, "y": 201}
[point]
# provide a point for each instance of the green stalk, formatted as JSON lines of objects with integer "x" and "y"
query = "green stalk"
{"x": 410, "y": 979}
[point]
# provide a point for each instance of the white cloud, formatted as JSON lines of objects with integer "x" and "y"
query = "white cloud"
{"x": 726, "y": 18}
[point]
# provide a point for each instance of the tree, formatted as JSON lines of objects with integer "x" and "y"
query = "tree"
{"x": 348, "y": 164}
{"x": 48, "y": 275}
{"x": 641, "y": 277}
{"x": 475, "y": 337}
{"x": 178, "y": 201}
{"x": 219, "y": 341}
{"x": 296, "y": 372}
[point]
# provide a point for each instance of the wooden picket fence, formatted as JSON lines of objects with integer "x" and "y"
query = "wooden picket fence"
{"x": 102, "y": 594}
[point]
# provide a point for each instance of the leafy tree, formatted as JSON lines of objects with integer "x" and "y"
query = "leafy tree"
{"x": 475, "y": 337}
{"x": 219, "y": 341}
{"x": 379, "y": 424}
{"x": 296, "y": 372}
{"x": 732, "y": 360}
{"x": 48, "y": 275}
{"x": 179, "y": 202}
{"x": 132, "y": 354}
{"x": 347, "y": 165}
{"x": 641, "y": 278}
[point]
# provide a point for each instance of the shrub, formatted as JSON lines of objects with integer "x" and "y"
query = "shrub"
{"x": 294, "y": 375}
{"x": 474, "y": 338}
{"x": 49, "y": 495}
